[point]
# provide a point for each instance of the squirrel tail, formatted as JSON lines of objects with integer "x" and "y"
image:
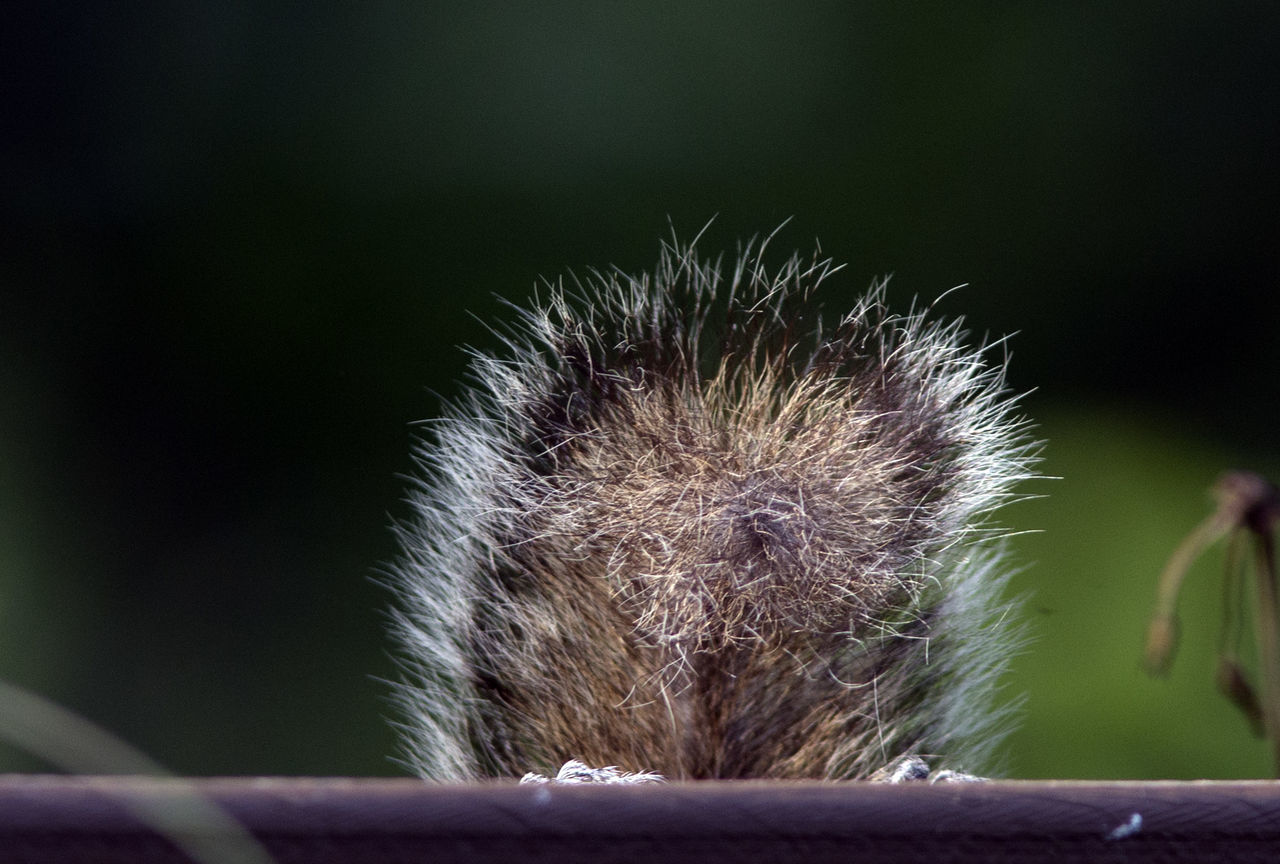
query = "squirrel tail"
{"x": 678, "y": 526}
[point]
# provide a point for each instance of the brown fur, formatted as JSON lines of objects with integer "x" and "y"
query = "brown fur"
{"x": 682, "y": 529}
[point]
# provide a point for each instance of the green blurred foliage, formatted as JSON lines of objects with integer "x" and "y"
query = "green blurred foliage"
{"x": 240, "y": 242}
{"x": 1129, "y": 487}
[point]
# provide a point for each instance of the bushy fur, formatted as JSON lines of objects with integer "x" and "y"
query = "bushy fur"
{"x": 678, "y": 527}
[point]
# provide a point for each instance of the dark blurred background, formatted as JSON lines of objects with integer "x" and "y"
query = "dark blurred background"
{"x": 240, "y": 242}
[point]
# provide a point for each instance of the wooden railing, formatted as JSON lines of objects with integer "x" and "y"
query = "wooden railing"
{"x": 112, "y": 819}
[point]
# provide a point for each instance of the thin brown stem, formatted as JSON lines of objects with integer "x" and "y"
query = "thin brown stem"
{"x": 1268, "y": 624}
{"x": 1162, "y": 633}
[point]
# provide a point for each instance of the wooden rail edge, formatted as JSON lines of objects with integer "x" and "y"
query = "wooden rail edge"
{"x": 105, "y": 819}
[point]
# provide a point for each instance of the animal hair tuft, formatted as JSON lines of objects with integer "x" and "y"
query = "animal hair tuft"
{"x": 677, "y": 525}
